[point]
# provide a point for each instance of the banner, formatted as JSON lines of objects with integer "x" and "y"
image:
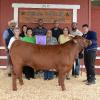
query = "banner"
{"x": 41, "y": 39}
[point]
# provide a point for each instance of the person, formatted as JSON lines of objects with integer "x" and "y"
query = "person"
{"x": 7, "y": 34}
{"x": 29, "y": 37}
{"x": 24, "y": 29}
{"x": 90, "y": 54}
{"x": 50, "y": 40}
{"x": 74, "y": 31}
{"x": 28, "y": 71}
{"x": 15, "y": 37}
{"x": 40, "y": 30}
{"x": 65, "y": 37}
{"x": 76, "y": 67}
{"x": 56, "y": 31}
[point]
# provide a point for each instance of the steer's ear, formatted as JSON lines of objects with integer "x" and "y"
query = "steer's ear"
{"x": 74, "y": 40}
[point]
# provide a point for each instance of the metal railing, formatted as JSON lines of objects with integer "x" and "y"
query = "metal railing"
{"x": 2, "y": 57}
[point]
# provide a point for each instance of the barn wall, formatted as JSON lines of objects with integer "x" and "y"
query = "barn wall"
{"x": 6, "y": 10}
{"x": 95, "y": 23}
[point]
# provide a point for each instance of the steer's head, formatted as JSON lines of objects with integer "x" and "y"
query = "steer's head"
{"x": 82, "y": 41}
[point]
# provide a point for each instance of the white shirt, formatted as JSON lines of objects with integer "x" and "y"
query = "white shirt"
{"x": 77, "y": 32}
{"x": 11, "y": 42}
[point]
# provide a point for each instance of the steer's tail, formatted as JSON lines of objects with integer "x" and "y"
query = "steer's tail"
{"x": 10, "y": 65}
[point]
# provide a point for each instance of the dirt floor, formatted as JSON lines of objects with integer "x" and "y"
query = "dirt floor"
{"x": 38, "y": 89}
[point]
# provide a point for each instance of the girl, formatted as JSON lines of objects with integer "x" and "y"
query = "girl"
{"x": 65, "y": 37}
{"x": 24, "y": 29}
{"x": 50, "y": 40}
{"x": 28, "y": 71}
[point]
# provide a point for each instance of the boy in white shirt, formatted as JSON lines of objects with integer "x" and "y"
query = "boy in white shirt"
{"x": 15, "y": 37}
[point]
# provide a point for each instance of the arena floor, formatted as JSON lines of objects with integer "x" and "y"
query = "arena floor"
{"x": 38, "y": 89}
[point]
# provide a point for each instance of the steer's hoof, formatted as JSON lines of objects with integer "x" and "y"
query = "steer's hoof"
{"x": 63, "y": 89}
{"x": 59, "y": 84}
{"x": 14, "y": 89}
{"x": 21, "y": 83}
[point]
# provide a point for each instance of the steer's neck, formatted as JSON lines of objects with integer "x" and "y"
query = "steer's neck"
{"x": 73, "y": 49}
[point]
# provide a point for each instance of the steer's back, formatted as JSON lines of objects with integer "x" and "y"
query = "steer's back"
{"x": 38, "y": 56}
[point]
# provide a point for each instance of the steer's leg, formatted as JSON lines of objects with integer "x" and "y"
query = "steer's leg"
{"x": 19, "y": 70}
{"x": 17, "y": 73}
{"x": 20, "y": 80}
{"x": 14, "y": 86}
{"x": 59, "y": 78}
{"x": 62, "y": 82}
{"x": 59, "y": 83}
{"x": 62, "y": 74}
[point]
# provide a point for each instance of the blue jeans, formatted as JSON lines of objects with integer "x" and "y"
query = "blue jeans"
{"x": 48, "y": 74}
{"x": 76, "y": 67}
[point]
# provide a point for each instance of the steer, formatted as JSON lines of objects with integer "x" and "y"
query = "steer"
{"x": 45, "y": 57}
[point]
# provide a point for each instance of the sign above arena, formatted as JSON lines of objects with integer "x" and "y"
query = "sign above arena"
{"x": 48, "y": 15}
